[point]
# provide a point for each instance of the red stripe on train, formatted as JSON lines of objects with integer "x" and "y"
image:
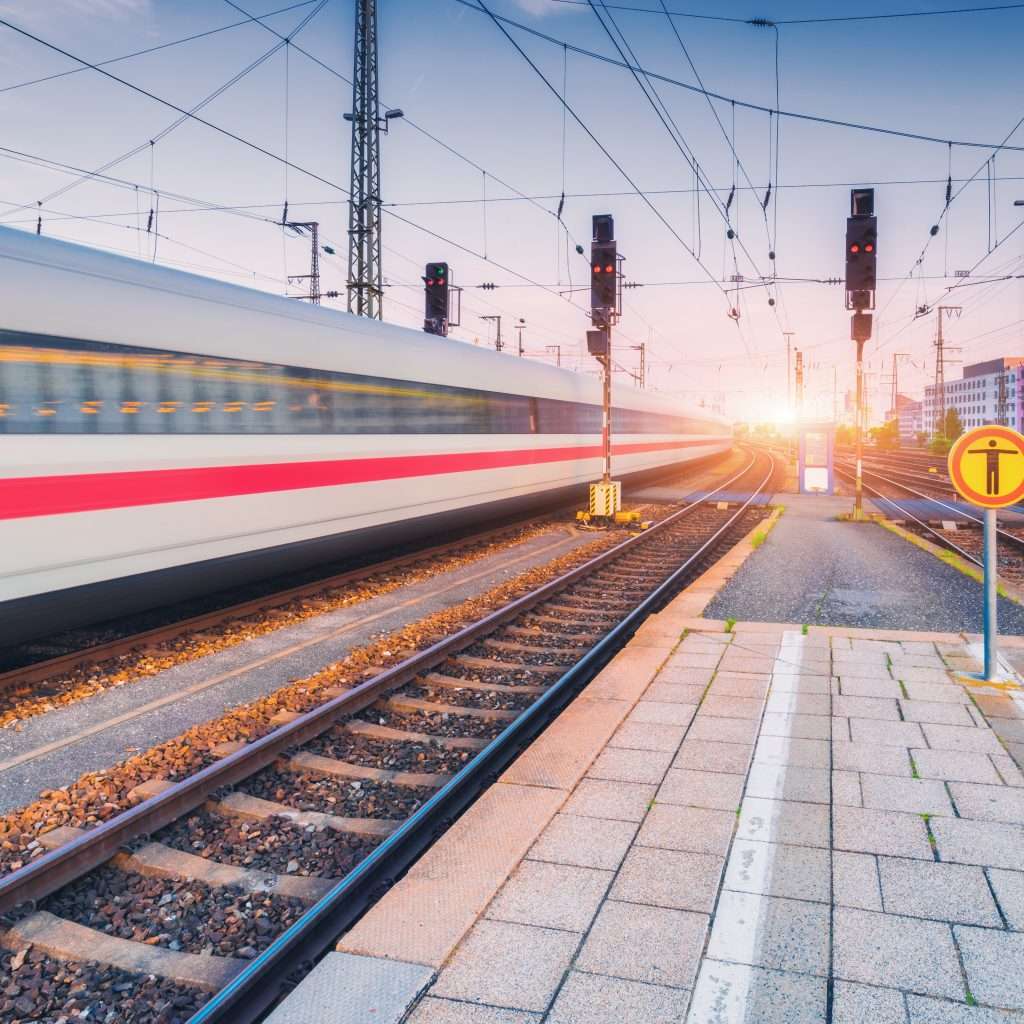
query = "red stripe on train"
{"x": 22, "y": 497}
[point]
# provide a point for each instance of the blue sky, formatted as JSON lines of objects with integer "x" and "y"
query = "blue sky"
{"x": 449, "y": 68}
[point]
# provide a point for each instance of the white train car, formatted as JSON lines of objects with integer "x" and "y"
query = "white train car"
{"x": 163, "y": 434}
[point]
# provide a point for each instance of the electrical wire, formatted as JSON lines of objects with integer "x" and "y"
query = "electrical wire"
{"x": 406, "y": 119}
{"x": 810, "y": 21}
{"x": 154, "y": 49}
{"x": 491, "y": 199}
{"x": 185, "y": 114}
{"x": 597, "y": 142}
{"x": 815, "y": 118}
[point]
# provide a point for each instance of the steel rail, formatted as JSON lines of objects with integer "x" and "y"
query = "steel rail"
{"x": 49, "y": 872}
{"x": 1012, "y": 539}
{"x": 940, "y": 537}
{"x": 260, "y": 983}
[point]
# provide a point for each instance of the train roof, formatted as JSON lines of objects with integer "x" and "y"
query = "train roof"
{"x": 73, "y": 291}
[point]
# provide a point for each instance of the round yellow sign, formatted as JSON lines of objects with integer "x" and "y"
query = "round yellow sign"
{"x": 986, "y": 466}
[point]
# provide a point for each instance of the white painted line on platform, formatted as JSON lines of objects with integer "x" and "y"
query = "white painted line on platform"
{"x": 730, "y": 988}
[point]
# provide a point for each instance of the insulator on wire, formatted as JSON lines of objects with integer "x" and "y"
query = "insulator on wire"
{"x": 561, "y": 206}
{"x": 149, "y": 223}
{"x": 284, "y": 214}
{"x": 730, "y": 233}
{"x": 767, "y": 196}
{"x": 771, "y": 254}
{"x": 39, "y": 226}
{"x": 949, "y": 190}
{"x": 934, "y": 230}
{"x": 728, "y": 202}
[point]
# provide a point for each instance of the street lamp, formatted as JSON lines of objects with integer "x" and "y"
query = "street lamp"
{"x": 382, "y": 122}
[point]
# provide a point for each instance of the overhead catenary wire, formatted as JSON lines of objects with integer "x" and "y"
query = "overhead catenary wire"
{"x": 680, "y": 141}
{"x": 267, "y": 152}
{"x": 883, "y": 16}
{"x": 198, "y": 206}
{"x": 153, "y": 49}
{"x": 596, "y": 141}
{"x": 186, "y": 114}
{"x": 406, "y": 119}
{"x": 745, "y": 104}
{"x": 951, "y": 198}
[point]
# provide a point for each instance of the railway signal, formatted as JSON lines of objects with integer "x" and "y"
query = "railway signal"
{"x": 606, "y": 496}
{"x": 861, "y": 264}
{"x": 437, "y": 281}
{"x": 604, "y": 272}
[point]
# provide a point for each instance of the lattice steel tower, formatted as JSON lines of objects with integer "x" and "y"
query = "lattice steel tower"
{"x": 364, "y": 263}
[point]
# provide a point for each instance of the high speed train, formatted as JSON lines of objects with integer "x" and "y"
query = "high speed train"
{"x": 164, "y": 434}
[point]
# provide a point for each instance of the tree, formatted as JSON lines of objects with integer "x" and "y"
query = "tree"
{"x": 887, "y": 437}
{"x": 952, "y": 425}
{"x": 845, "y": 434}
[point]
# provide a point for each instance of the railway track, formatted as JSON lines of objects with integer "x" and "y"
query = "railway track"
{"x": 968, "y": 544}
{"x": 84, "y": 648}
{"x": 220, "y": 887}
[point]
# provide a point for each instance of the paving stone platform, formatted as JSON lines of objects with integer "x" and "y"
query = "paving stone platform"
{"x": 787, "y": 828}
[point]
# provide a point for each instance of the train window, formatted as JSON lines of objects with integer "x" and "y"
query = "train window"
{"x": 51, "y": 385}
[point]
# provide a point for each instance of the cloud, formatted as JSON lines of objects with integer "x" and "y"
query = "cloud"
{"x": 541, "y": 7}
{"x": 35, "y": 13}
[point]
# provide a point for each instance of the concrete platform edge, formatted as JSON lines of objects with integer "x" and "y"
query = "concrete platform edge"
{"x": 1008, "y": 590}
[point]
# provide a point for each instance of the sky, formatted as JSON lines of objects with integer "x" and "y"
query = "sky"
{"x": 482, "y": 130}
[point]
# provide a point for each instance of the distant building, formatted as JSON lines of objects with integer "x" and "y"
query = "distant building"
{"x": 910, "y": 416}
{"x": 988, "y": 392}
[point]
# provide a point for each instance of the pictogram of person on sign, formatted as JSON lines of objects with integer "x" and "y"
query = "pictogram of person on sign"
{"x": 992, "y": 454}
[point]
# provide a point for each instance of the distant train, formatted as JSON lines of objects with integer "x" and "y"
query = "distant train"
{"x": 163, "y": 434}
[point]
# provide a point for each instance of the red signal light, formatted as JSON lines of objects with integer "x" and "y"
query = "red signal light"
{"x": 597, "y": 268}
{"x": 869, "y": 247}
{"x": 609, "y": 269}
{"x": 430, "y": 281}
{"x": 855, "y": 247}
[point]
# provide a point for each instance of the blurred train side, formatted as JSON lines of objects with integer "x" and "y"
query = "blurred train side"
{"x": 164, "y": 434}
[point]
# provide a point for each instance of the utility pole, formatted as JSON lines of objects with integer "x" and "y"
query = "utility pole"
{"x": 365, "y": 280}
{"x": 799, "y": 383}
{"x": 313, "y": 227}
{"x": 789, "y": 370}
{"x": 520, "y": 327}
{"x": 557, "y": 349}
{"x": 861, "y": 256}
{"x": 496, "y": 317}
{"x": 940, "y": 370}
{"x": 642, "y": 376}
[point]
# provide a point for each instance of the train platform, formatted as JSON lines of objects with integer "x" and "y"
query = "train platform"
{"x": 815, "y": 569}
{"x": 775, "y": 823}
